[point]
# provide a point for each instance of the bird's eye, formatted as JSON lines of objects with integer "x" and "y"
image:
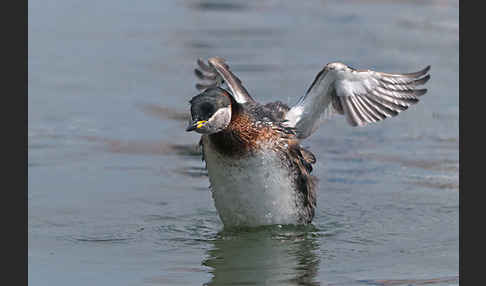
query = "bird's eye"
{"x": 207, "y": 108}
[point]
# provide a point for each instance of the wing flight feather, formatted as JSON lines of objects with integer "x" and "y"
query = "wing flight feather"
{"x": 363, "y": 96}
{"x": 216, "y": 73}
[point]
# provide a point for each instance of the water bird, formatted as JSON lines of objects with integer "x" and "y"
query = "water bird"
{"x": 258, "y": 171}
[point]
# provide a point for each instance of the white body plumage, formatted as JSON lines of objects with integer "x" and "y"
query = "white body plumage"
{"x": 254, "y": 190}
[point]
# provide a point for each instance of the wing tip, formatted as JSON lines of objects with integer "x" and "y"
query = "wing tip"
{"x": 424, "y": 80}
{"x": 420, "y": 72}
{"x": 420, "y": 92}
{"x": 216, "y": 61}
{"x": 417, "y": 74}
{"x": 202, "y": 64}
{"x": 198, "y": 74}
{"x": 201, "y": 87}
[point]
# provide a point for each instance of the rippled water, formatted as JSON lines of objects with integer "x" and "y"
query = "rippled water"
{"x": 117, "y": 191}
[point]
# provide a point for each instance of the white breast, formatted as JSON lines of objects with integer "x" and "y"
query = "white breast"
{"x": 253, "y": 190}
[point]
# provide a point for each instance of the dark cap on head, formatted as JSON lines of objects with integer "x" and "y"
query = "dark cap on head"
{"x": 205, "y": 105}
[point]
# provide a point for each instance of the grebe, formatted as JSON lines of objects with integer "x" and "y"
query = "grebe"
{"x": 258, "y": 171}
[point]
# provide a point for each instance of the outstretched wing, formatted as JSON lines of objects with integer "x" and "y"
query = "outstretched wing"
{"x": 363, "y": 96}
{"x": 217, "y": 72}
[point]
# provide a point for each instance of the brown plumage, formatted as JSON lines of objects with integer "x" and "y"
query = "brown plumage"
{"x": 301, "y": 161}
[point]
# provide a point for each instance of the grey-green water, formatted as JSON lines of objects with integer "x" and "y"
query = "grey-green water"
{"x": 118, "y": 194}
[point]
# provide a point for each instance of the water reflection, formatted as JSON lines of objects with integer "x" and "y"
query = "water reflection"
{"x": 275, "y": 255}
{"x": 144, "y": 147}
{"x": 151, "y": 147}
{"x": 391, "y": 282}
{"x": 218, "y": 6}
{"x": 164, "y": 113}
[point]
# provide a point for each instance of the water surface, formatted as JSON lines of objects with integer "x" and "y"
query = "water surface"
{"x": 118, "y": 194}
